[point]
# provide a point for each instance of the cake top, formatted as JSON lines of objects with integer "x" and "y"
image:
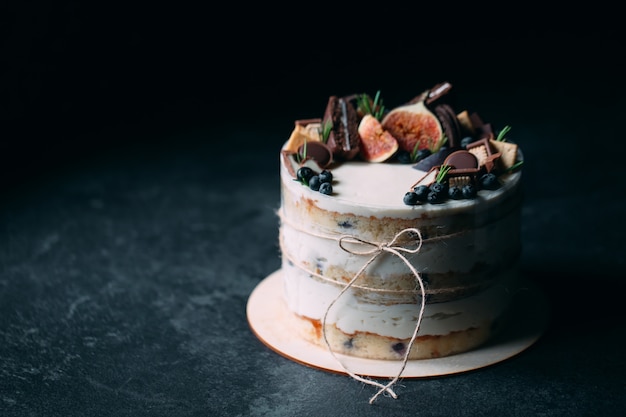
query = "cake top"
{"x": 421, "y": 153}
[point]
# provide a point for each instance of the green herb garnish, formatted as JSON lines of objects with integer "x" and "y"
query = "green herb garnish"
{"x": 327, "y": 126}
{"x": 300, "y": 158}
{"x": 367, "y": 106}
{"x": 443, "y": 171}
{"x": 414, "y": 152}
{"x": 444, "y": 140}
{"x": 502, "y": 134}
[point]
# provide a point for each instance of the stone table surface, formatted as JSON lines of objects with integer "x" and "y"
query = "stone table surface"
{"x": 124, "y": 280}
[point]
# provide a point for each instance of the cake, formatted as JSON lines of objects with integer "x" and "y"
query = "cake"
{"x": 399, "y": 228}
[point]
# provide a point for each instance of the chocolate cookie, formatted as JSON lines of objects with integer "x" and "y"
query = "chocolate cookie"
{"x": 449, "y": 123}
{"x": 343, "y": 139}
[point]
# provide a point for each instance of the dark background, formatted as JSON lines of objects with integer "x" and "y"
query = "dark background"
{"x": 139, "y": 178}
{"x": 81, "y": 79}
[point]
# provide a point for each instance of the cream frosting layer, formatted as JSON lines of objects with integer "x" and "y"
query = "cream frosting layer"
{"x": 377, "y": 189}
{"x": 311, "y": 298}
{"x": 492, "y": 244}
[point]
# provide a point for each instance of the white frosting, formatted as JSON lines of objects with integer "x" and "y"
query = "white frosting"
{"x": 311, "y": 298}
{"x": 305, "y": 243}
{"x": 375, "y": 191}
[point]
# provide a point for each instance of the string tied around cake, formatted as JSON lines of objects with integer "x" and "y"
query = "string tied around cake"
{"x": 375, "y": 249}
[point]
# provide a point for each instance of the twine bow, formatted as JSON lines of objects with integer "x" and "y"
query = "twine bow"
{"x": 375, "y": 249}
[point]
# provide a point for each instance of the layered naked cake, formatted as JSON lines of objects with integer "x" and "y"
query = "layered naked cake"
{"x": 399, "y": 229}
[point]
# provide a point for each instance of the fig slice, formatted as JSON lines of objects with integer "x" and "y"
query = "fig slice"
{"x": 377, "y": 145}
{"x": 414, "y": 125}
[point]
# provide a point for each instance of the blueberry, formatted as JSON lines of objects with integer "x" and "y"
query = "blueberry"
{"x": 304, "y": 174}
{"x": 422, "y": 192}
{"x": 423, "y": 153}
{"x": 469, "y": 191}
{"x": 466, "y": 141}
{"x": 399, "y": 348}
{"x": 455, "y": 193}
{"x": 435, "y": 197}
{"x": 403, "y": 157}
{"x": 315, "y": 182}
{"x": 326, "y": 188}
{"x": 489, "y": 181}
{"x": 411, "y": 198}
{"x": 438, "y": 192}
{"x": 326, "y": 176}
{"x": 439, "y": 187}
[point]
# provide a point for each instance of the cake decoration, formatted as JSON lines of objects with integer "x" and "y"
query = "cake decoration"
{"x": 426, "y": 130}
{"x": 415, "y": 126}
{"x": 399, "y": 229}
{"x": 341, "y": 122}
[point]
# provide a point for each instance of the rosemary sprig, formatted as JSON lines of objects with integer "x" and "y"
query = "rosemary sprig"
{"x": 443, "y": 171}
{"x": 367, "y": 106}
{"x": 300, "y": 158}
{"x": 502, "y": 134}
{"x": 444, "y": 140}
{"x": 414, "y": 152}
{"x": 327, "y": 126}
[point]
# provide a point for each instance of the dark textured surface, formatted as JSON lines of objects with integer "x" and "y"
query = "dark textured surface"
{"x": 137, "y": 215}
